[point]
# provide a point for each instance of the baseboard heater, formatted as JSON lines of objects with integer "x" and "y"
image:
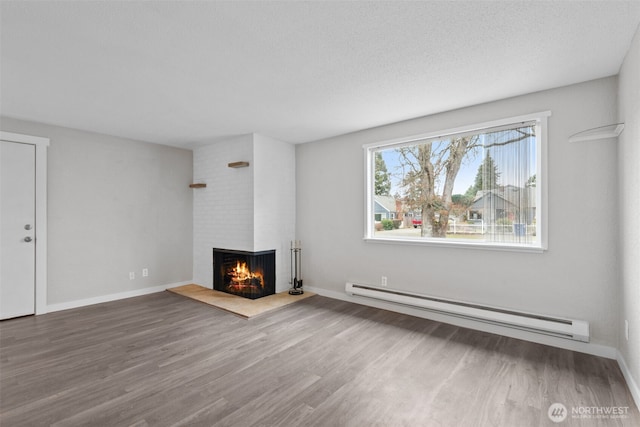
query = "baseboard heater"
{"x": 577, "y": 330}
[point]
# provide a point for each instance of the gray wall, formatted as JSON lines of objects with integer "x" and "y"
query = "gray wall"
{"x": 629, "y": 173}
{"x": 577, "y": 277}
{"x": 115, "y": 206}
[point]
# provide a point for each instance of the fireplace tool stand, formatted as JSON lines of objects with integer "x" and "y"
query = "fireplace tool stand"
{"x": 296, "y": 269}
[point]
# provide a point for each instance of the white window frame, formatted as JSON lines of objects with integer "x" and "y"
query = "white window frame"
{"x": 542, "y": 225}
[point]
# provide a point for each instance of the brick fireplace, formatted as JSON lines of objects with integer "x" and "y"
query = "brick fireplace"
{"x": 248, "y": 209}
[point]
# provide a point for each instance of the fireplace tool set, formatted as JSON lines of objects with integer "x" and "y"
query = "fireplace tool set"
{"x": 296, "y": 269}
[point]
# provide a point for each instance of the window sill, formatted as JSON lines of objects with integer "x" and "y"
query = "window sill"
{"x": 456, "y": 244}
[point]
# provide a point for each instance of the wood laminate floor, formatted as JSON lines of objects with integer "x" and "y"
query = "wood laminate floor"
{"x": 164, "y": 360}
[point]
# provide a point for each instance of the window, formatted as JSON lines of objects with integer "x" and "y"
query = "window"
{"x": 479, "y": 186}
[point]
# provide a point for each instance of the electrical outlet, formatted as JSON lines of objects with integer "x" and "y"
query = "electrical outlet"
{"x": 626, "y": 329}
{"x": 132, "y": 275}
{"x": 145, "y": 272}
{"x": 383, "y": 282}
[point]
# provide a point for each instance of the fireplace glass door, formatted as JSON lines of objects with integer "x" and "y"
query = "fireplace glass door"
{"x": 246, "y": 274}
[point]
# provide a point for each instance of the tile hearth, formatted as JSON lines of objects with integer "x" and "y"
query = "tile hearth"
{"x": 240, "y": 306}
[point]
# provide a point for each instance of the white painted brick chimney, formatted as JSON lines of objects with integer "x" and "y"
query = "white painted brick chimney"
{"x": 250, "y": 208}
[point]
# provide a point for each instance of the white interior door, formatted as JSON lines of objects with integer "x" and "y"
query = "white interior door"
{"x": 17, "y": 229}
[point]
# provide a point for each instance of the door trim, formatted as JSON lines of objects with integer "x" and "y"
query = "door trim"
{"x": 41, "y": 144}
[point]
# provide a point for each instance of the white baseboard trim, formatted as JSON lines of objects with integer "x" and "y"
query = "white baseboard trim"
{"x": 112, "y": 297}
{"x": 631, "y": 382}
{"x": 582, "y": 347}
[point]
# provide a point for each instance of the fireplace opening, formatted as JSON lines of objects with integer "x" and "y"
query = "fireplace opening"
{"x": 247, "y": 274}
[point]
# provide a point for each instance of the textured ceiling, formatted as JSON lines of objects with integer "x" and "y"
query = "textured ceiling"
{"x": 189, "y": 73}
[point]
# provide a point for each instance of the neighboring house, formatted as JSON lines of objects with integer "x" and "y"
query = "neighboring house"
{"x": 386, "y": 207}
{"x": 515, "y": 204}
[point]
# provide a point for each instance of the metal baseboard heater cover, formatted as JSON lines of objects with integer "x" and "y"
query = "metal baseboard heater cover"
{"x": 577, "y": 330}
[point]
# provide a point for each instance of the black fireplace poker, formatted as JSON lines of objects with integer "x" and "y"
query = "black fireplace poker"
{"x": 296, "y": 269}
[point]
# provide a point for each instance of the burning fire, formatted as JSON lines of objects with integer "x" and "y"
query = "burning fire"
{"x": 242, "y": 275}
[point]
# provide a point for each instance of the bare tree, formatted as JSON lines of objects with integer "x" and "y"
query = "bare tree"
{"x": 428, "y": 163}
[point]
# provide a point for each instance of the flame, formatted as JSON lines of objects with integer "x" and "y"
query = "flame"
{"x": 241, "y": 274}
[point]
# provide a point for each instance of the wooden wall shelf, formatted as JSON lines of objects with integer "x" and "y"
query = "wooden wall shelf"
{"x": 238, "y": 164}
{"x": 198, "y": 185}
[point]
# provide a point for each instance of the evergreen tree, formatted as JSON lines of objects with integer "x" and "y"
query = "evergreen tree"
{"x": 486, "y": 178}
{"x": 471, "y": 192}
{"x": 532, "y": 181}
{"x": 382, "y": 180}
